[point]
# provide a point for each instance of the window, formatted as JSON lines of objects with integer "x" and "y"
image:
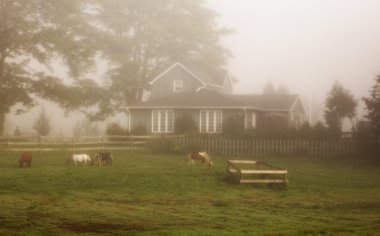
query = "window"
{"x": 210, "y": 121}
{"x": 177, "y": 86}
{"x": 162, "y": 121}
{"x": 250, "y": 120}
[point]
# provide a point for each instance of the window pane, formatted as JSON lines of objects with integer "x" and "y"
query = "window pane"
{"x": 203, "y": 121}
{"x": 177, "y": 85}
{"x": 162, "y": 121}
{"x": 170, "y": 123}
{"x": 155, "y": 121}
{"x": 253, "y": 125}
{"x": 218, "y": 121}
{"x": 161, "y": 127}
{"x": 211, "y": 121}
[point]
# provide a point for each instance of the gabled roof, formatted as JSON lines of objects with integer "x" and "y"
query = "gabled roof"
{"x": 202, "y": 98}
{"x": 208, "y": 99}
{"x": 196, "y": 73}
{"x": 271, "y": 102}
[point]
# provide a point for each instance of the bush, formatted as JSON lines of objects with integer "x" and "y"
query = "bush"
{"x": 320, "y": 131}
{"x": 115, "y": 129}
{"x": 233, "y": 126}
{"x": 139, "y": 130}
{"x": 163, "y": 145}
{"x": 305, "y": 131}
{"x": 185, "y": 125}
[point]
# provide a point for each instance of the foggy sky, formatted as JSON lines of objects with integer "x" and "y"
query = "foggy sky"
{"x": 303, "y": 44}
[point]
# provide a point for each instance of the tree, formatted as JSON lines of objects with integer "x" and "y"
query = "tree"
{"x": 137, "y": 38}
{"x": 282, "y": 90}
{"x": 340, "y": 104}
{"x": 115, "y": 129}
{"x": 38, "y": 32}
{"x": 269, "y": 89}
{"x": 320, "y": 131}
{"x": 373, "y": 107}
{"x": 42, "y": 124}
{"x": 141, "y": 38}
{"x": 17, "y": 132}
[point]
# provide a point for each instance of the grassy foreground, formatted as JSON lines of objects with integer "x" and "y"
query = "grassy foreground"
{"x": 145, "y": 194}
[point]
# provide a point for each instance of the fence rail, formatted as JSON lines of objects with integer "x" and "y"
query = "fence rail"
{"x": 218, "y": 145}
{"x": 74, "y": 144}
{"x": 261, "y": 147}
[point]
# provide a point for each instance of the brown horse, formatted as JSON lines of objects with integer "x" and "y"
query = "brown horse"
{"x": 26, "y": 159}
{"x": 203, "y": 157}
{"x": 100, "y": 157}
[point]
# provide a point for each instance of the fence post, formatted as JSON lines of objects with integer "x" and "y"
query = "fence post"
{"x": 73, "y": 145}
{"x": 39, "y": 145}
{"x": 7, "y": 147}
{"x": 102, "y": 140}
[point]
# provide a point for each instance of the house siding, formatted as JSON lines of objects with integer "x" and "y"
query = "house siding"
{"x": 144, "y": 117}
{"x": 164, "y": 86}
{"x": 264, "y": 120}
{"x": 141, "y": 118}
{"x": 273, "y": 120}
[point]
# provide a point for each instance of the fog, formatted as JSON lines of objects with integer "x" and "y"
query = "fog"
{"x": 302, "y": 44}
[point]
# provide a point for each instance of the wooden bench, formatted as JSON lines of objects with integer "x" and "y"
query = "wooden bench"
{"x": 257, "y": 172}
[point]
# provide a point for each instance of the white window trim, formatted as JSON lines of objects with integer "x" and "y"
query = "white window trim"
{"x": 164, "y": 129}
{"x": 178, "y": 86}
{"x": 250, "y": 120}
{"x": 214, "y": 124}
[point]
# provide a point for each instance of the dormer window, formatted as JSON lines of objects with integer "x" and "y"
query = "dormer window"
{"x": 178, "y": 86}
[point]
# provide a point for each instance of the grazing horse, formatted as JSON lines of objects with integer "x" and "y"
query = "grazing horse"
{"x": 102, "y": 157}
{"x": 81, "y": 158}
{"x": 203, "y": 157}
{"x": 26, "y": 159}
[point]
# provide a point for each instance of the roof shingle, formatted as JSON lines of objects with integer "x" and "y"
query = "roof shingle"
{"x": 211, "y": 99}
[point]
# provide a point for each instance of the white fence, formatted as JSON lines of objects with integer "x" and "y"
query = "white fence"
{"x": 74, "y": 144}
{"x": 217, "y": 145}
{"x": 262, "y": 147}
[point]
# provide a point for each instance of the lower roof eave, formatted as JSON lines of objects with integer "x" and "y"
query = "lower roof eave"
{"x": 202, "y": 108}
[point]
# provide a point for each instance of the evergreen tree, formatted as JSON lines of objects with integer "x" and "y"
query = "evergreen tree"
{"x": 340, "y": 104}
{"x": 42, "y": 124}
{"x": 373, "y": 107}
{"x": 17, "y": 132}
{"x": 269, "y": 89}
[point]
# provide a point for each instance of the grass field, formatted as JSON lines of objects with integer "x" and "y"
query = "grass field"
{"x": 145, "y": 194}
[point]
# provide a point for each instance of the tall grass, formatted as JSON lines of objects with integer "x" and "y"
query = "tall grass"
{"x": 145, "y": 194}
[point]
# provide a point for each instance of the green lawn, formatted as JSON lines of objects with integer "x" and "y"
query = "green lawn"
{"x": 145, "y": 194}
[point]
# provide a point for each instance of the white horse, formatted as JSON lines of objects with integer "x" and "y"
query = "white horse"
{"x": 81, "y": 158}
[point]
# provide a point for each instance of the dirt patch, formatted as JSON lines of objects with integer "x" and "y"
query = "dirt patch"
{"x": 100, "y": 228}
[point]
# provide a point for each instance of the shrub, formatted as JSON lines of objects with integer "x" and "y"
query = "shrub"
{"x": 185, "y": 125}
{"x": 305, "y": 131}
{"x": 116, "y": 129}
{"x": 233, "y": 126}
{"x": 320, "y": 131}
{"x": 163, "y": 145}
{"x": 139, "y": 130}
